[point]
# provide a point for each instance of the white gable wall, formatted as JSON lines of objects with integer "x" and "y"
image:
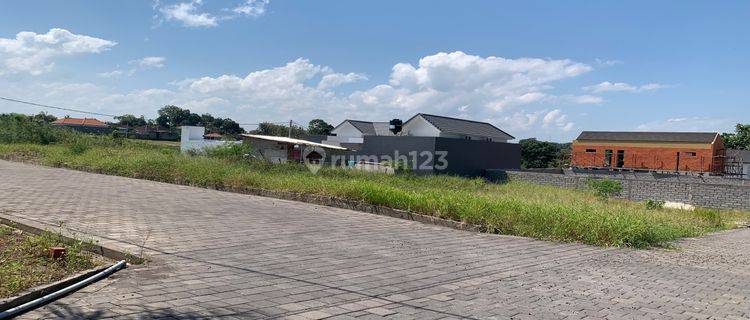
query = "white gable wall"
{"x": 346, "y": 129}
{"x": 419, "y": 127}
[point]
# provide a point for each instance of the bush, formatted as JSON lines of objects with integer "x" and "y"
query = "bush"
{"x": 654, "y": 204}
{"x": 78, "y": 147}
{"x": 605, "y": 188}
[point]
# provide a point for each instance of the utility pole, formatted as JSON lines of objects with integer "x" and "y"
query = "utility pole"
{"x": 290, "y": 129}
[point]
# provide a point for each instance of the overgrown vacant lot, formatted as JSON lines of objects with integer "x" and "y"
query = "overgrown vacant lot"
{"x": 514, "y": 208}
{"x": 25, "y": 262}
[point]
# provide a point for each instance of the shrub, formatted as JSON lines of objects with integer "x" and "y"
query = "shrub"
{"x": 605, "y": 188}
{"x": 652, "y": 204}
{"x": 78, "y": 147}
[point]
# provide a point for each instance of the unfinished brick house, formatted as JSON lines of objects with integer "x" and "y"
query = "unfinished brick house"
{"x": 697, "y": 152}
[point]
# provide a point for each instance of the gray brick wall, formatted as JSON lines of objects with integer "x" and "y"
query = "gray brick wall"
{"x": 702, "y": 194}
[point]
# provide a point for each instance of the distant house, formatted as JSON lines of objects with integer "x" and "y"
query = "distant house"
{"x": 88, "y": 125}
{"x": 660, "y": 151}
{"x": 429, "y": 144}
{"x": 738, "y": 163}
{"x": 427, "y": 125}
{"x": 212, "y": 136}
{"x": 350, "y": 133}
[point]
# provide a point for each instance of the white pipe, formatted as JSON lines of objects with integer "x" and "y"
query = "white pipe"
{"x": 57, "y": 294}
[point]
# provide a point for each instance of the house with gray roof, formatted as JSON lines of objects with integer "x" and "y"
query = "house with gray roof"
{"x": 430, "y": 144}
{"x": 428, "y": 125}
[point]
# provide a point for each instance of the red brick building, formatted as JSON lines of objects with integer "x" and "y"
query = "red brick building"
{"x": 660, "y": 151}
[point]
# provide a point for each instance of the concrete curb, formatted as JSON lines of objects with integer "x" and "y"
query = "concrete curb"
{"x": 45, "y": 289}
{"x": 329, "y": 201}
{"x": 93, "y": 248}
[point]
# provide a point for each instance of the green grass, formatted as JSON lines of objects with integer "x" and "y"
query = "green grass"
{"x": 514, "y": 208}
{"x": 25, "y": 262}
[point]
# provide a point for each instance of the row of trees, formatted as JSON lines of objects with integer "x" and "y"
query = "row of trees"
{"x": 173, "y": 117}
{"x": 314, "y": 127}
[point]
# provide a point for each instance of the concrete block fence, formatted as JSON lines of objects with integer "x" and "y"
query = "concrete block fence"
{"x": 702, "y": 194}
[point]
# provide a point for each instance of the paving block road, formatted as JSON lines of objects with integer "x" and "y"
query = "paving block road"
{"x": 224, "y": 255}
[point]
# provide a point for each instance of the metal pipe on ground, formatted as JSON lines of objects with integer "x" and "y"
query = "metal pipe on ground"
{"x": 60, "y": 293}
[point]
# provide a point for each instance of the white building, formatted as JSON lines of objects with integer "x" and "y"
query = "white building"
{"x": 192, "y": 139}
{"x": 352, "y": 132}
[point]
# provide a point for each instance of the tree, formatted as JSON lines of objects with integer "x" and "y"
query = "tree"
{"x": 270, "y": 129}
{"x": 43, "y": 117}
{"x": 229, "y": 126}
{"x": 318, "y": 126}
{"x": 208, "y": 121}
{"x": 740, "y": 139}
{"x": 130, "y": 120}
{"x": 174, "y": 116}
{"x": 540, "y": 154}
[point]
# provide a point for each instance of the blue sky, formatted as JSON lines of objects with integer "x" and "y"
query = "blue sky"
{"x": 545, "y": 69}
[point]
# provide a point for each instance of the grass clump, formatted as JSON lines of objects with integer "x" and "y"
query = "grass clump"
{"x": 514, "y": 208}
{"x": 25, "y": 261}
{"x": 230, "y": 151}
{"x": 652, "y": 204}
{"x": 605, "y": 188}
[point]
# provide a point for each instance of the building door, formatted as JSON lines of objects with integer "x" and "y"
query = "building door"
{"x": 620, "y": 158}
{"x": 607, "y": 158}
{"x": 677, "y": 162}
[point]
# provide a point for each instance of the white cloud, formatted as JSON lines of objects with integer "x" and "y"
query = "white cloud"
{"x": 35, "y": 53}
{"x": 149, "y": 62}
{"x": 444, "y": 81}
{"x": 110, "y": 74}
{"x": 585, "y": 99}
{"x": 607, "y": 86}
{"x": 191, "y": 13}
{"x": 187, "y": 13}
{"x": 514, "y": 94}
{"x": 336, "y": 79}
{"x": 252, "y": 8}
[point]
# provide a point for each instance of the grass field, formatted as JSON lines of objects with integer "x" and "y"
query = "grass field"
{"x": 514, "y": 208}
{"x": 24, "y": 260}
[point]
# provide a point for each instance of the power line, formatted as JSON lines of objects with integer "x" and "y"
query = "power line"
{"x": 58, "y": 108}
{"x": 110, "y": 115}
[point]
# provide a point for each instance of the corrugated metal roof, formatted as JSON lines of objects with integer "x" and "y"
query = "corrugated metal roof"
{"x": 743, "y": 155}
{"x": 464, "y": 127}
{"x": 86, "y": 122}
{"x": 292, "y": 141}
{"x": 640, "y": 136}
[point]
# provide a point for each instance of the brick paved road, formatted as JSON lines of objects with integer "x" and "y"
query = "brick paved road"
{"x": 218, "y": 254}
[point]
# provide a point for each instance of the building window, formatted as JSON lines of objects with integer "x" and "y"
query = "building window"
{"x": 690, "y": 154}
{"x": 590, "y": 150}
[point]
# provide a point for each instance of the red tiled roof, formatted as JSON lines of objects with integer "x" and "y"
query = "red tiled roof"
{"x": 212, "y": 135}
{"x": 86, "y": 122}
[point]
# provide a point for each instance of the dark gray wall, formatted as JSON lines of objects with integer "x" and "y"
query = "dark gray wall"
{"x": 463, "y": 157}
{"x": 473, "y": 157}
{"x": 381, "y": 146}
{"x": 702, "y": 194}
